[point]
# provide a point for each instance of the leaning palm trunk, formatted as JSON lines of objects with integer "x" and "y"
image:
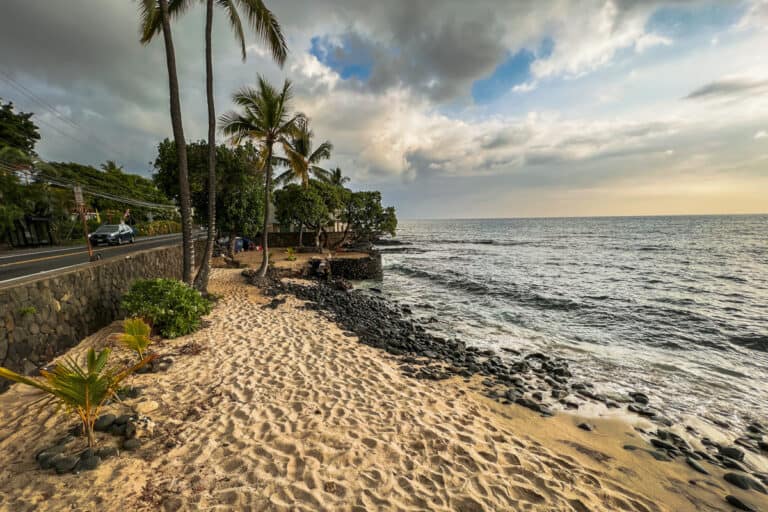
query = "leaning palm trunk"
{"x": 201, "y": 280}
{"x": 181, "y": 147}
{"x": 267, "y": 208}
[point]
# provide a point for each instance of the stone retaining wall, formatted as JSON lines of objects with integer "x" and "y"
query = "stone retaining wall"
{"x": 291, "y": 239}
{"x": 357, "y": 269}
{"x": 44, "y": 317}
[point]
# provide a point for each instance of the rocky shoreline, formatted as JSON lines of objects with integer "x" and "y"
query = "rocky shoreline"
{"x": 537, "y": 381}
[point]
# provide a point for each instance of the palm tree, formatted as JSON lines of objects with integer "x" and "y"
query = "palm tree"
{"x": 81, "y": 390}
{"x": 266, "y": 119}
{"x": 111, "y": 166}
{"x": 152, "y": 14}
{"x": 266, "y": 26}
{"x": 337, "y": 179}
{"x": 301, "y": 159}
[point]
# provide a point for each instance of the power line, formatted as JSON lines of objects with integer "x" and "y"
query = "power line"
{"x": 59, "y": 115}
{"x": 64, "y": 183}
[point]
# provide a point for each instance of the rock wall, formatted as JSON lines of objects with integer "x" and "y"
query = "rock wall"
{"x": 357, "y": 269}
{"x": 291, "y": 239}
{"x": 44, "y": 317}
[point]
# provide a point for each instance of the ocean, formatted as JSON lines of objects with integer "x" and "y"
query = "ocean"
{"x": 676, "y": 306}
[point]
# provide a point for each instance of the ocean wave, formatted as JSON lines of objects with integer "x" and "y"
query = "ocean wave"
{"x": 757, "y": 342}
{"x": 502, "y": 243}
{"x": 454, "y": 280}
{"x": 731, "y": 278}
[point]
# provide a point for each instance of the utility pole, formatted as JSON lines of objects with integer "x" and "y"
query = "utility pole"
{"x": 81, "y": 208}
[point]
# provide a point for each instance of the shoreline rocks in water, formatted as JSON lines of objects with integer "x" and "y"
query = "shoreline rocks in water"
{"x": 536, "y": 381}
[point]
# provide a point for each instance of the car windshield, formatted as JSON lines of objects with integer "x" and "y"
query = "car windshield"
{"x": 107, "y": 228}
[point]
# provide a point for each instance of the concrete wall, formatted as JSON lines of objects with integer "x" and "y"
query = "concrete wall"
{"x": 44, "y": 317}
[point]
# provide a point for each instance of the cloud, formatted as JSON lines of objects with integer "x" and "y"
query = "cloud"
{"x": 756, "y": 16}
{"x": 762, "y": 134}
{"x": 730, "y": 88}
{"x": 391, "y": 85}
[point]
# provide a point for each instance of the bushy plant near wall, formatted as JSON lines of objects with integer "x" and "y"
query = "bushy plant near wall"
{"x": 158, "y": 227}
{"x": 171, "y": 307}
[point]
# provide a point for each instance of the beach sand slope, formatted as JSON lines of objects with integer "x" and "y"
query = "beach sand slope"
{"x": 281, "y": 410}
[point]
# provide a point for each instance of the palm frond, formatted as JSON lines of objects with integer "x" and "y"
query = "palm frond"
{"x": 234, "y": 22}
{"x": 267, "y": 27}
{"x": 323, "y": 152}
{"x": 150, "y": 16}
{"x": 135, "y": 335}
{"x": 321, "y": 174}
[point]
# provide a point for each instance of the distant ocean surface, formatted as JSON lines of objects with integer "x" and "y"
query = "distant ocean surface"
{"x": 674, "y": 306}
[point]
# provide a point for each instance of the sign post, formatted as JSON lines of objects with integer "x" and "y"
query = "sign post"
{"x": 81, "y": 208}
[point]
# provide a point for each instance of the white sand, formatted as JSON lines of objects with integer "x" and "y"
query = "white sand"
{"x": 282, "y": 411}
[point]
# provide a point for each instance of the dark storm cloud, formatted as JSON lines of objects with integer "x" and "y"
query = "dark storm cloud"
{"x": 439, "y": 59}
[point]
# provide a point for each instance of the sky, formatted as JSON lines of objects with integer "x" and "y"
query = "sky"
{"x": 453, "y": 109}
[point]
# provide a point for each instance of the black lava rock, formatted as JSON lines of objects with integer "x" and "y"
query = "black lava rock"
{"x": 639, "y": 397}
{"x": 696, "y": 466}
{"x": 586, "y": 426}
{"x": 131, "y": 444}
{"x": 103, "y": 422}
{"x": 739, "y": 504}
{"x": 123, "y": 419}
{"x": 106, "y": 452}
{"x": 88, "y": 463}
{"x": 744, "y": 482}
{"x": 732, "y": 452}
{"x": 64, "y": 464}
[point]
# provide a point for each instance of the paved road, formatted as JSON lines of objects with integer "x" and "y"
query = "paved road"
{"x": 16, "y": 265}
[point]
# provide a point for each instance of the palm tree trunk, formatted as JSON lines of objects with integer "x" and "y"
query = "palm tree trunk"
{"x": 231, "y": 244}
{"x": 267, "y": 208}
{"x": 301, "y": 234}
{"x": 201, "y": 280}
{"x": 181, "y": 148}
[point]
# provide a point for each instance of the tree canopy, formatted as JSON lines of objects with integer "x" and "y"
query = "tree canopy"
{"x": 17, "y": 130}
{"x": 365, "y": 218}
{"x": 240, "y": 192}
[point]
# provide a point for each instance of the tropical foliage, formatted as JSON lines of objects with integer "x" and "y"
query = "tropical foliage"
{"x": 171, "y": 307}
{"x": 17, "y": 130}
{"x": 82, "y": 391}
{"x": 135, "y": 336}
{"x": 155, "y": 18}
{"x": 157, "y": 227}
{"x": 302, "y": 158}
{"x": 313, "y": 206}
{"x": 264, "y": 118}
{"x": 365, "y": 218}
{"x": 266, "y": 26}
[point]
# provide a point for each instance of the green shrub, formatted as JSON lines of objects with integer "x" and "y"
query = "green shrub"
{"x": 171, "y": 307}
{"x": 157, "y": 227}
{"x": 291, "y": 254}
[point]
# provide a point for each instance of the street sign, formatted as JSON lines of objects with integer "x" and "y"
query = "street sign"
{"x": 78, "y": 195}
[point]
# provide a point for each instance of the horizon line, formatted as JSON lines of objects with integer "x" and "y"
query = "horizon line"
{"x": 594, "y": 216}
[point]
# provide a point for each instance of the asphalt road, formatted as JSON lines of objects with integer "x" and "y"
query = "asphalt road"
{"x": 18, "y": 264}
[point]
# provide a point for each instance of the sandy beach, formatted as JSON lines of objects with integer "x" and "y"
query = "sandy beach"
{"x": 279, "y": 409}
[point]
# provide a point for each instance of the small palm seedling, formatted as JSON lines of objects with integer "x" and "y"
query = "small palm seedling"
{"x": 135, "y": 336}
{"x": 82, "y": 391}
{"x": 291, "y": 252}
